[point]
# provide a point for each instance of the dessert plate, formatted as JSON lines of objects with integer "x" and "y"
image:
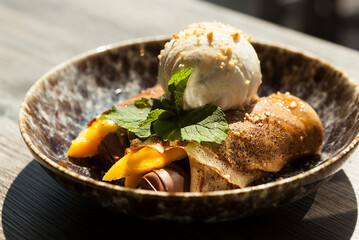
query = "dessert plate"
{"x": 61, "y": 103}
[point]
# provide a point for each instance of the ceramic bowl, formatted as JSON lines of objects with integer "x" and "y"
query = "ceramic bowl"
{"x": 60, "y": 104}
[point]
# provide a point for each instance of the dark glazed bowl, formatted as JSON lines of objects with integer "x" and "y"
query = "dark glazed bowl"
{"x": 60, "y": 104}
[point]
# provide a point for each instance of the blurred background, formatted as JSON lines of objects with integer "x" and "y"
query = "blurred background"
{"x": 334, "y": 20}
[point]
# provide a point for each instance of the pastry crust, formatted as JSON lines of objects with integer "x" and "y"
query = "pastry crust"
{"x": 270, "y": 133}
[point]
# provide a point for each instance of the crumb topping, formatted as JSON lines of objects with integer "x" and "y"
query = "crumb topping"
{"x": 235, "y": 36}
{"x": 210, "y": 37}
{"x": 201, "y": 29}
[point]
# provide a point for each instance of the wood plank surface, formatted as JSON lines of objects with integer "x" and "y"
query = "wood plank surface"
{"x": 36, "y": 35}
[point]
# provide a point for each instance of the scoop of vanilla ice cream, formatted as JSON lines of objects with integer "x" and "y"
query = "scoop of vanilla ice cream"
{"x": 226, "y": 70}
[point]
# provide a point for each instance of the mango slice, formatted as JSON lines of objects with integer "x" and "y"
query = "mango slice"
{"x": 118, "y": 170}
{"x": 136, "y": 163}
{"x": 86, "y": 143}
{"x": 148, "y": 158}
{"x": 132, "y": 180}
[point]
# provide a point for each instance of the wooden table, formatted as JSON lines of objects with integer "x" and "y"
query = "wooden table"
{"x": 37, "y": 35}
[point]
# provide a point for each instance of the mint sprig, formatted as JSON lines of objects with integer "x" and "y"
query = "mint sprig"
{"x": 176, "y": 86}
{"x": 165, "y": 117}
{"x": 206, "y": 124}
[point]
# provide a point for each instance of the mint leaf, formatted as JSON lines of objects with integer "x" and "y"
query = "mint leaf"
{"x": 207, "y": 124}
{"x": 130, "y": 118}
{"x": 148, "y": 102}
{"x": 152, "y": 116}
{"x": 156, "y": 114}
{"x": 142, "y": 132}
{"x": 168, "y": 105}
{"x": 144, "y": 102}
{"x": 168, "y": 129}
{"x": 176, "y": 86}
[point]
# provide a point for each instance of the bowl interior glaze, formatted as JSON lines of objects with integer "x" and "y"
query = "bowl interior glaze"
{"x": 61, "y": 103}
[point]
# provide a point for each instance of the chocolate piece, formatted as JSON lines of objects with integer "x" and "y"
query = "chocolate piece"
{"x": 151, "y": 181}
{"x": 170, "y": 179}
{"x": 112, "y": 148}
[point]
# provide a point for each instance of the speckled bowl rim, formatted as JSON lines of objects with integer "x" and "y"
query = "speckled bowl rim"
{"x": 48, "y": 163}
